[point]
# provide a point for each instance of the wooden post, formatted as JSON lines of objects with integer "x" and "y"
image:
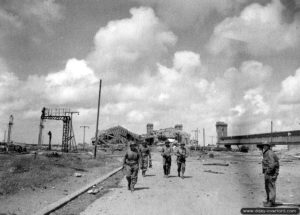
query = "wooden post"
{"x": 97, "y": 123}
{"x": 204, "y": 137}
{"x": 84, "y": 127}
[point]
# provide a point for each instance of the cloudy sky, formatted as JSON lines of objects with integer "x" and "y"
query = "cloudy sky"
{"x": 165, "y": 62}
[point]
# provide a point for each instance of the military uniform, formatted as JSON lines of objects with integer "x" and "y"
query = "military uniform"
{"x": 270, "y": 168}
{"x": 145, "y": 158}
{"x": 181, "y": 154}
{"x": 131, "y": 166}
{"x": 166, "y": 153}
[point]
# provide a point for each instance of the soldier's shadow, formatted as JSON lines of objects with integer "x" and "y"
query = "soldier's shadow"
{"x": 141, "y": 188}
{"x": 150, "y": 175}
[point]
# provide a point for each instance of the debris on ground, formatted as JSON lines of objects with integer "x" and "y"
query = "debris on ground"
{"x": 216, "y": 164}
{"x": 76, "y": 174}
{"x": 210, "y": 171}
{"x": 286, "y": 160}
{"x": 94, "y": 190}
{"x": 234, "y": 162}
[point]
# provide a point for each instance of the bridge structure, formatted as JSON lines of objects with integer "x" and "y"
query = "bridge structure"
{"x": 65, "y": 115}
{"x": 289, "y": 138}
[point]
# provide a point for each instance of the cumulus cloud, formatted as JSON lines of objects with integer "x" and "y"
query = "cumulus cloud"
{"x": 8, "y": 96}
{"x": 182, "y": 15}
{"x": 29, "y": 12}
{"x": 290, "y": 89}
{"x": 124, "y": 48}
{"x": 258, "y": 30}
{"x": 75, "y": 84}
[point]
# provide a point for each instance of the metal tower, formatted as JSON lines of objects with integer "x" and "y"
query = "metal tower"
{"x": 64, "y": 114}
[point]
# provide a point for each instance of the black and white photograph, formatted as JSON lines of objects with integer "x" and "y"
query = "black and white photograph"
{"x": 147, "y": 107}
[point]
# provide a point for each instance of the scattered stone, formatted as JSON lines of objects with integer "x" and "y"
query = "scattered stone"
{"x": 93, "y": 191}
{"x": 234, "y": 162}
{"x": 210, "y": 171}
{"x": 211, "y": 155}
{"x": 12, "y": 169}
{"x": 76, "y": 174}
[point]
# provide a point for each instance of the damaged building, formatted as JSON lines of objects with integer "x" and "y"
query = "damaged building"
{"x": 176, "y": 133}
{"x": 117, "y": 135}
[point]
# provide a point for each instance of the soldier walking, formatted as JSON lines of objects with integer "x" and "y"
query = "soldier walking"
{"x": 166, "y": 153}
{"x": 181, "y": 154}
{"x": 145, "y": 157}
{"x": 131, "y": 165}
{"x": 270, "y": 168}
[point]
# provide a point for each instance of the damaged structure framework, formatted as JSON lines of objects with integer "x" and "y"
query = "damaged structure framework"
{"x": 117, "y": 135}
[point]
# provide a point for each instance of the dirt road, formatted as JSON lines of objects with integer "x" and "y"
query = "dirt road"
{"x": 240, "y": 185}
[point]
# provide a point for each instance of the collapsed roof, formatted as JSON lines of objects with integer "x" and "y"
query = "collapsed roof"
{"x": 116, "y": 135}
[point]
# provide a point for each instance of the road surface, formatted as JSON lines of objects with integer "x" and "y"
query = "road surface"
{"x": 199, "y": 193}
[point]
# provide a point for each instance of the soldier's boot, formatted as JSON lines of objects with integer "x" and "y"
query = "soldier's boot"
{"x": 178, "y": 173}
{"x": 143, "y": 173}
{"x": 269, "y": 204}
{"x": 132, "y": 187}
{"x": 129, "y": 182}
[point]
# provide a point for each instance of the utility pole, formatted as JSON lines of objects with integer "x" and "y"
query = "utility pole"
{"x": 97, "y": 123}
{"x": 84, "y": 127}
{"x": 203, "y": 136}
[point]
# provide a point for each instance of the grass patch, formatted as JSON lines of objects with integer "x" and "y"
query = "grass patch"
{"x": 27, "y": 171}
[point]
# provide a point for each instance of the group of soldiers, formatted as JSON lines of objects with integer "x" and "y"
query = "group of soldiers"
{"x": 139, "y": 157}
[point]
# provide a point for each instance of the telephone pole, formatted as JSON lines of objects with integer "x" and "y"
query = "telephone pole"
{"x": 84, "y": 127}
{"x": 203, "y": 136}
{"x": 97, "y": 123}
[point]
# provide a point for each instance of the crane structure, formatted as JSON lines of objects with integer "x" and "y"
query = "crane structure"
{"x": 64, "y": 114}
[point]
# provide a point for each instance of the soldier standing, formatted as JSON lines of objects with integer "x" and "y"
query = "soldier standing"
{"x": 167, "y": 159}
{"x": 270, "y": 168}
{"x": 131, "y": 165}
{"x": 181, "y": 157}
{"x": 145, "y": 157}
